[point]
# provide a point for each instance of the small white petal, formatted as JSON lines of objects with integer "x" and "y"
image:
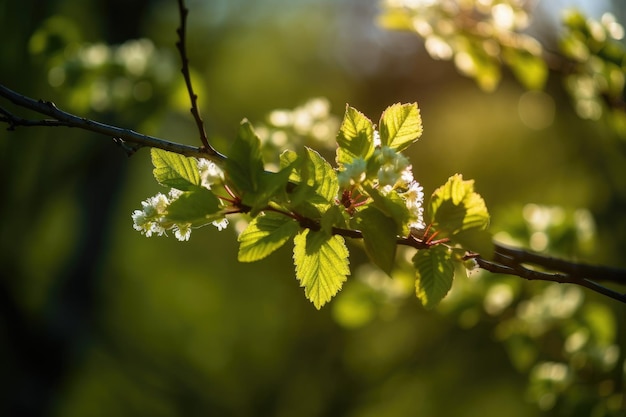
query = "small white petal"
{"x": 221, "y": 224}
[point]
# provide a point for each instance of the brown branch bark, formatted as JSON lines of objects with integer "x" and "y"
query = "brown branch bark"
{"x": 130, "y": 138}
{"x": 514, "y": 261}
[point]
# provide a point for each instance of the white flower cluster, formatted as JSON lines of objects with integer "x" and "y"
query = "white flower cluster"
{"x": 414, "y": 198}
{"x": 210, "y": 173}
{"x": 394, "y": 173}
{"x": 152, "y": 218}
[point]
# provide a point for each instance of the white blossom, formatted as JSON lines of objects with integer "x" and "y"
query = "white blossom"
{"x": 182, "y": 231}
{"x": 156, "y": 205}
{"x": 174, "y": 194}
{"x": 221, "y": 224}
{"x": 210, "y": 173}
{"x": 414, "y": 198}
{"x": 406, "y": 177}
{"x": 147, "y": 220}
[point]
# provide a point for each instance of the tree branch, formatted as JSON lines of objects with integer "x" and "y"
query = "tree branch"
{"x": 510, "y": 261}
{"x": 507, "y": 260}
{"x": 122, "y": 136}
{"x": 600, "y": 273}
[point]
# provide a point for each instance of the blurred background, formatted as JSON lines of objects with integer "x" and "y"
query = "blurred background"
{"x": 97, "y": 320}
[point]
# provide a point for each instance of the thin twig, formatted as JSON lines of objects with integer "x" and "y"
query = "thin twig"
{"x": 14, "y": 121}
{"x": 193, "y": 97}
{"x": 62, "y": 118}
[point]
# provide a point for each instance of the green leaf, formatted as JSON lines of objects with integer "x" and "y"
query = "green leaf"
{"x": 400, "y": 126}
{"x": 379, "y": 237}
{"x": 199, "y": 207}
{"x": 244, "y": 165}
{"x": 455, "y": 207}
{"x": 355, "y": 137}
{"x": 289, "y": 157}
{"x": 435, "y": 272}
{"x": 322, "y": 177}
{"x": 317, "y": 184}
{"x": 174, "y": 170}
{"x": 321, "y": 265}
{"x": 264, "y": 235}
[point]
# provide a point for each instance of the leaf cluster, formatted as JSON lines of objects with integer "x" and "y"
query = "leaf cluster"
{"x": 370, "y": 195}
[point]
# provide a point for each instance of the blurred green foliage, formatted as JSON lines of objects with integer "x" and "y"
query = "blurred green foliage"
{"x": 98, "y": 320}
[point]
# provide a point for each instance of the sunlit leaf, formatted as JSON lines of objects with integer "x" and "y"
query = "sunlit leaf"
{"x": 455, "y": 207}
{"x": 435, "y": 272}
{"x": 265, "y": 234}
{"x": 289, "y": 157}
{"x": 315, "y": 180}
{"x": 321, "y": 265}
{"x": 174, "y": 170}
{"x": 400, "y": 126}
{"x": 355, "y": 137}
{"x": 322, "y": 177}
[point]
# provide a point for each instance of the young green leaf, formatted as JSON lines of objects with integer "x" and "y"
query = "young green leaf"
{"x": 321, "y": 265}
{"x": 316, "y": 183}
{"x": 174, "y": 170}
{"x": 355, "y": 137}
{"x": 197, "y": 207}
{"x": 244, "y": 165}
{"x": 379, "y": 237}
{"x": 265, "y": 234}
{"x": 455, "y": 207}
{"x": 435, "y": 272}
{"x": 400, "y": 126}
